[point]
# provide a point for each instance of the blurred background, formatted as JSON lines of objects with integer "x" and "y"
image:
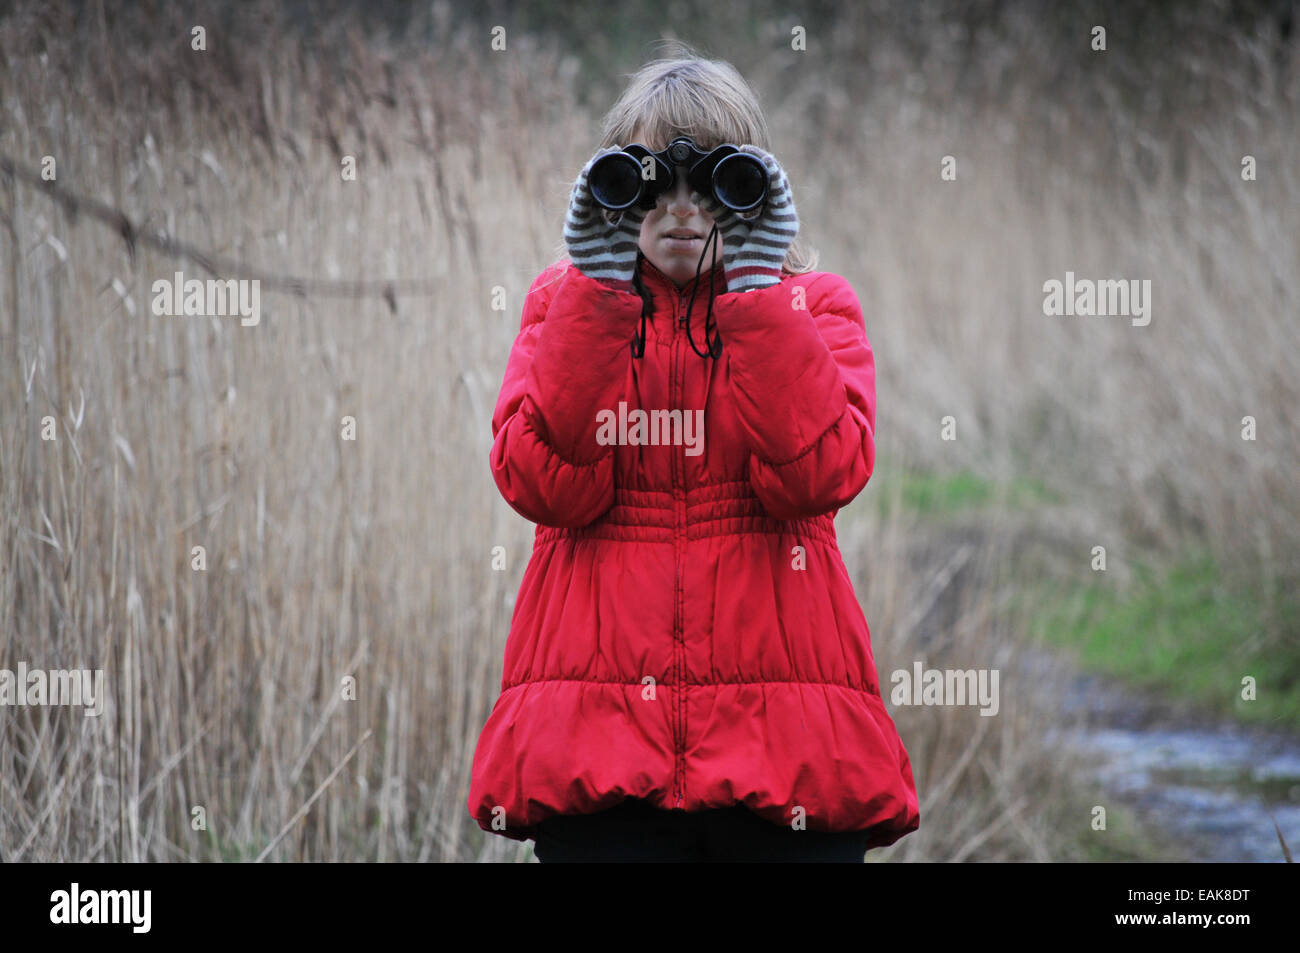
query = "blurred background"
{"x": 1120, "y": 689}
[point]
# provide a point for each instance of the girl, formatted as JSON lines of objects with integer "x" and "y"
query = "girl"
{"x": 688, "y": 674}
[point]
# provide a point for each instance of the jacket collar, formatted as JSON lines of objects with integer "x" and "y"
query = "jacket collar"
{"x": 657, "y": 283}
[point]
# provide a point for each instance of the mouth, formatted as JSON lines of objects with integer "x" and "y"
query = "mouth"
{"x": 682, "y": 236}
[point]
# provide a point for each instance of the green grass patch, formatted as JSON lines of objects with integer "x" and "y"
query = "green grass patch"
{"x": 1127, "y": 839}
{"x": 939, "y": 494}
{"x": 1184, "y": 631}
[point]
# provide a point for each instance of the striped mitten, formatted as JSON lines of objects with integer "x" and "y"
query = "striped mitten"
{"x": 601, "y": 243}
{"x": 754, "y": 248}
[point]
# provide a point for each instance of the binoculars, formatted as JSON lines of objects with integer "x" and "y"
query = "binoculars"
{"x": 637, "y": 176}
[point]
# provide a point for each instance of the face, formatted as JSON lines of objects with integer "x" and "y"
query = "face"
{"x": 673, "y": 233}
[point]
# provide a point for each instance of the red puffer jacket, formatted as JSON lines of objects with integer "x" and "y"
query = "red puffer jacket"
{"x": 686, "y": 631}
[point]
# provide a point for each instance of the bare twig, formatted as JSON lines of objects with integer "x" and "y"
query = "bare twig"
{"x": 217, "y": 265}
{"x": 312, "y": 800}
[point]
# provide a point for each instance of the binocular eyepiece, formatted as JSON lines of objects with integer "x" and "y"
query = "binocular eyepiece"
{"x": 637, "y": 176}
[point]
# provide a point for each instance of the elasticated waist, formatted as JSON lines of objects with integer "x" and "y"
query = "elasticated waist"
{"x": 715, "y": 509}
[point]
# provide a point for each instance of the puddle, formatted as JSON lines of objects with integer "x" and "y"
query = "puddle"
{"x": 1211, "y": 785}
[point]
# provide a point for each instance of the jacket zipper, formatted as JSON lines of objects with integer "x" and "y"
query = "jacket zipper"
{"x": 677, "y": 370}
{"x": 676, "y": 388}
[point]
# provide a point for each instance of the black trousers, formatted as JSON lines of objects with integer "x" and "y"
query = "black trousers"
{"x": 636, "y": 832}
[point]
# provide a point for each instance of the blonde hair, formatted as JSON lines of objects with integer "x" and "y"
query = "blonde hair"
{"x": 684, "y": 94}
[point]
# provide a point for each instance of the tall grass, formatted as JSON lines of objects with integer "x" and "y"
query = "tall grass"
{"x": 372, "y": 558}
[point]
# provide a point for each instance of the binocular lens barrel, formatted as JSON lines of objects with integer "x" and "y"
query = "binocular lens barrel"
{"x": 740, "y": 182}
{"x": 615, "y": 181}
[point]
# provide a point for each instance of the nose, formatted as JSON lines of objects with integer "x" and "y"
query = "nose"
{"x": 679, "y": 197}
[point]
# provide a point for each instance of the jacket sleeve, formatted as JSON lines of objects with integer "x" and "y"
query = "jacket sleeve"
{"x": 805, "y": 387}
{"x": 570, "y": 360}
